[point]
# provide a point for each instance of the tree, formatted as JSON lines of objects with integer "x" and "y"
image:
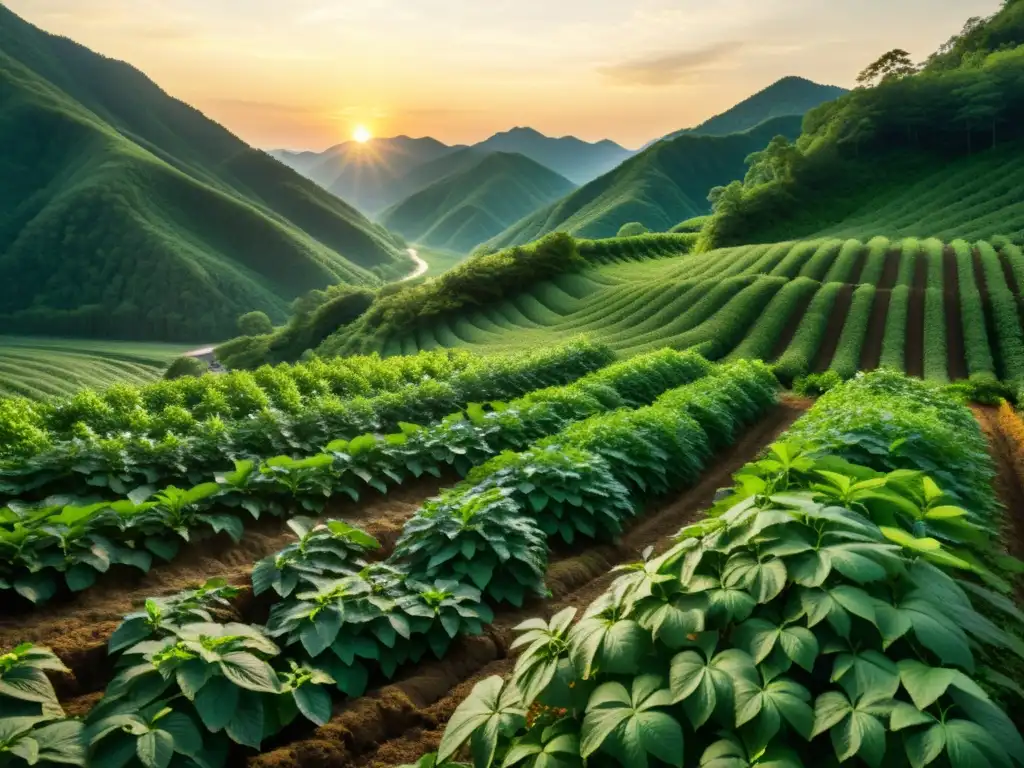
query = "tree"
{"x": 894, "y": 65}
{"x": 632, "y": 229}
{"x": 776, "y": 162}
{"x": 982, "y": 104}
{"x": 255, "y": 324}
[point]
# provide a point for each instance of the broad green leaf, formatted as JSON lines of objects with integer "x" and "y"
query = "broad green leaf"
{"x": 313, "y": 702}
{"x": 247, "y": 671}
{"x": 490, "y": 709}
{"x": 155, "y": 749}
{"x": 216, "y": 703}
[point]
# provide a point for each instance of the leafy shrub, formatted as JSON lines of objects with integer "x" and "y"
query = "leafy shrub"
{"x": 816, "y": 384}
{"x": 255, "y": 324}
{"x": 567, "y": 491}
{"x": 983, "y": 389}
{"x": 478, "y": 537}
{"x": 183, "y": 367}
{"x": 632, "y": 229}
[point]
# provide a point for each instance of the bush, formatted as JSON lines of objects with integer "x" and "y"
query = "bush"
{"x": 185, "y": 366}
{"x": 816, "y": 383}
{"x": 255, "y": 324}
{"x": 632, "y": 229}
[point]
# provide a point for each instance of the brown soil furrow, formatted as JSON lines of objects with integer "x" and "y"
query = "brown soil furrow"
{"x": 990, "y": 321}
{"x": 791, "y": 326}
{"x": 858, "y": 267}
{"x": 836, "y": 321}
{"x": 400, "y": 722}
{"x": 78, "y": 631}
{"x": 955, "y": 349}
{"x": 914, "y": 351}
{"x": 1009, "y": 483}
{"x": 890, "y": 270}
{"x": 871, "y": 354}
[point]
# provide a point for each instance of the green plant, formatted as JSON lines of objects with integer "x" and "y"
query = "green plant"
{"x": 183, "y": 367}
{"x": 816, "y": 384}
{"x": 479, "y": 537}
{"x": 255, "y": 324}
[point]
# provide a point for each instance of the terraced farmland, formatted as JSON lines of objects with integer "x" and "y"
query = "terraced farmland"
{"x": 933, "y": 309}
{"x": 38, "y": 367}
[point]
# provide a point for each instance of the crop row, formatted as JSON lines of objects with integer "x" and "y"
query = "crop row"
{"x": 825, "y": 611}
{"x": 46, "y": 545}
{"x": 972, "y": 314}
{"x": 186, "y": 687}
{"x": 117, "y": 464}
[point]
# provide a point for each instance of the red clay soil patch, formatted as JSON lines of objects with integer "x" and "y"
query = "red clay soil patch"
{"x": 836, "y": 321}
{"x": 871, "y": 353}
{"x": 791, "y": 326}
{"x": 890, "y": 270}
{"x": 957, "y": 363}
{"x": 400, "y": 722}
{"x": 914, "y": 351}
{"x": 78, "y": 631}
{"x": 990, "y": 320}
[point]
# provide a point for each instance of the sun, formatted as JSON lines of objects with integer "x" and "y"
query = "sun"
{"x": 362, "y": 134}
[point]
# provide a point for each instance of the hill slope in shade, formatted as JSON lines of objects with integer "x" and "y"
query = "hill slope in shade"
{"x": 126, "y": 213}
{"x": 660, "y": 187}
{"x": 785, "y": 97}
{"x": 370, "y": 175}
{"x": 463, "y": 210}
{"x": 577, "y": 160}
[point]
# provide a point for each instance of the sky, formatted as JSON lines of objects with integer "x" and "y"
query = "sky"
{"x": 303, "y": 74}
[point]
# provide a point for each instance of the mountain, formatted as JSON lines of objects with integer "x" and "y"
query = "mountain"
{"x": 663, "y": 185}
{"x": 126, "y": 213}
{"x": 370, "y": 175}
{"x": 577, "y": 160}
{"x": 464, "y": 209}
{"x": 788, "y": 96}
{"x": 382, "y": 172}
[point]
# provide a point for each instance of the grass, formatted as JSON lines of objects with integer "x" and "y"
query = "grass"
{"x": 41, "y": 367}
{"x": 762, "y": 301}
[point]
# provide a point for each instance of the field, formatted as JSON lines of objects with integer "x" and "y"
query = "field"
{"x": 933, "y": 309}
{"x": 40, "y": 367}
{"x": 440, "y": 540}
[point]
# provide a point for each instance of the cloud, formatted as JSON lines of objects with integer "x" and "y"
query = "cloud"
{"x": 668, "y": 68}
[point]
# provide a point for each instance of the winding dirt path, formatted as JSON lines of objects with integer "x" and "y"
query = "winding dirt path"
{"x": 399, "y": 722}
{"x": 421, "y": 265}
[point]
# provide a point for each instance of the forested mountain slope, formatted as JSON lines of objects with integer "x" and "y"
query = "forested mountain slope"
{"x": 660, "y": 187}
{"x": 126, "y": 213}
{"x": 463, "y": 210}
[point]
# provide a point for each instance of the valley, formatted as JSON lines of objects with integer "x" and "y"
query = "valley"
{"x": 511, "y": 448}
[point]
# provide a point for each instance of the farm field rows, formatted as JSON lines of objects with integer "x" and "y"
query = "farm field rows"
{"x": 39, "y": 367}
{"x": 944, "y": 311}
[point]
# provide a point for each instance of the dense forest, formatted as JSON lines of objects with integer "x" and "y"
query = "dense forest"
{"x": 964, "y": 100}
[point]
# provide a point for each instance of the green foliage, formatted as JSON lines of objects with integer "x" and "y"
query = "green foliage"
{"x": 816, "y": 384}
{"x": 824, "y": 611}
{"x": 478, "y": 537}
{"x": 632, "y": 229}
{"x": 183, "y": 367}
{"x": 255, "y": 324}
{"x": 799, "y": 356}
{"x": 153, "y": 222}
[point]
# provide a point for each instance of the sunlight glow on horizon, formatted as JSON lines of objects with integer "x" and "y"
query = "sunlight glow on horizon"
{"x": 362, "y": 134}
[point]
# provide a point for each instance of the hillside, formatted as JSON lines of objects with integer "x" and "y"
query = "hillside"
{"x": 660, "y": 187}
{"x": 942, "y": 311}
{"x": 371, "y": 176}
{"x": 785, "y": 97}
{"x": 125, "y": 213}
{"x": 465, "y": 209}
{"x": 895, "y": 157}
{"x": 577, "y": 160}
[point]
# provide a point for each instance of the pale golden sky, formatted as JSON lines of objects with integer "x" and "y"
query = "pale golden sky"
{"x": 303, "y": 73}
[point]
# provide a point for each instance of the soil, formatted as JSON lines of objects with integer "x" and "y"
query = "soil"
{"x": 858, "y": 267}
{"x": 836, "y": 321}
{"x": 1009, "y": 482}
{"x": 890, "y": 270}
{"x": 990, "y": 320}
{"x": 400, "y": 722}
{"x": 955, "y": 351}
{"x": 78, "y": 631}
{"x": 791, "y": 326}
{"x": 871, "y": 354}
{"x": 914, "y": 351}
